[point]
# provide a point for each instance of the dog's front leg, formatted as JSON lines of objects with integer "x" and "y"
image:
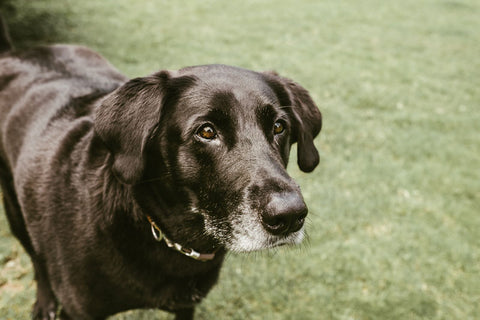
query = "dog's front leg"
{"x": 184, "y": 314}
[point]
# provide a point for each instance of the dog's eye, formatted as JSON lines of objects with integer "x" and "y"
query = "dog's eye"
{"x": 278, "y": 127}
{"x": 207, "y": 132}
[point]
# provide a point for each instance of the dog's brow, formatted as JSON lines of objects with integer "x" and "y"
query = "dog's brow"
{"x": 219, "y": 114}
{"x": 267, "y": 111}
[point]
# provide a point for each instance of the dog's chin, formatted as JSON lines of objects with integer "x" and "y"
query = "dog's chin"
{"x": 254, "y": 241}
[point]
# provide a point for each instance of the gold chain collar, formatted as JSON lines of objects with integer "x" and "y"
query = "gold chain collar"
{"x": 158, "y": 235}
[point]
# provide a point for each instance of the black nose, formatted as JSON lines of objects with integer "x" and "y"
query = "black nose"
{"x": 284, "y": 214}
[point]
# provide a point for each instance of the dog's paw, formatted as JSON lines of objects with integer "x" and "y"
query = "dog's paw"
{"x": 44, "y": 310}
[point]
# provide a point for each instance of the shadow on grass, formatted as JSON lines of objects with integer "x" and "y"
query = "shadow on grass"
{"x": 31, "y": 23}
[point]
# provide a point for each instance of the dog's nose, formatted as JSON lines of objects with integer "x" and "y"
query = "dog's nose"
{"x": 284, "y": 214}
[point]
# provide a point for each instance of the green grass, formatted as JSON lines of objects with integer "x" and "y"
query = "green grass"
{"x": 395, "y": 204}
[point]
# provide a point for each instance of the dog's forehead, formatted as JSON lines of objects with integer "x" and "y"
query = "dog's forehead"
{"x": 215, "y": 72}
{"x": 247, "y": 87}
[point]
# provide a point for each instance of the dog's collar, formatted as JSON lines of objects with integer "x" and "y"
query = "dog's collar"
{"x": 158, "y": 235}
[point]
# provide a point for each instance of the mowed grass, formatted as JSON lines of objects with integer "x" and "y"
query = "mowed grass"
{"x": 394, "y": 219}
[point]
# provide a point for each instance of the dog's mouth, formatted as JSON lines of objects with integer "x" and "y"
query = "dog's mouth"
{"x": 260, "y": 240}
{"x": 291, "y": 239}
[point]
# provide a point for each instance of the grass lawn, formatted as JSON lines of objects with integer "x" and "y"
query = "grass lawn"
{"x": 394, "y": 223}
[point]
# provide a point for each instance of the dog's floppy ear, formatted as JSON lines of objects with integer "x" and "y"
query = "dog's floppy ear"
{"x": 128, "y": 116}
{"x": 307, "y": 119}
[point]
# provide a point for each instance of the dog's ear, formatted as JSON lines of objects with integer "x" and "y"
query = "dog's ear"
{"x": 127, "y": 118}
{"x": 307, "y": 119}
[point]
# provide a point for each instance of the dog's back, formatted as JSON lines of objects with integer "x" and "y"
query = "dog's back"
{"x": 46, "y": 99}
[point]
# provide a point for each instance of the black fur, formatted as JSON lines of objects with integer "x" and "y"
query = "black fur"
{"x": 86, "y": 154}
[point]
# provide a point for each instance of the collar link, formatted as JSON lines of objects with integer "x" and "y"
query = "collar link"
{"x": 158, "y": 235}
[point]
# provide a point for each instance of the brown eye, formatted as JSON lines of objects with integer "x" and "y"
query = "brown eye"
{"x": 207, "y": 132}
{"x": 278, "y": 127}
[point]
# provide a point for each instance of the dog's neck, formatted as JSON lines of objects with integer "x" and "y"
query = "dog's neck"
{"x": 117, "y": 196}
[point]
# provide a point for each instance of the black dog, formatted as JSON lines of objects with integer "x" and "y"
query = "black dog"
{"x": 128, "y": 193}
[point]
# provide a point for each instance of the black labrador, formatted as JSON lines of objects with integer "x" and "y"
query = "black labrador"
{"x": 128, "y": 193}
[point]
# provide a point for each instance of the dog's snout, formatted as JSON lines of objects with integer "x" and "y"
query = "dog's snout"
{"x": 284, "y": 214}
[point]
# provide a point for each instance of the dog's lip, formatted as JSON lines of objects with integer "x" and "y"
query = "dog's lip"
{"x": 282, "y": 242}
{"x": 293, "y": 238}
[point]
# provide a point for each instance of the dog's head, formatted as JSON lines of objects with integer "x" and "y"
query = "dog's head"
{"x": 208, "y": 147}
